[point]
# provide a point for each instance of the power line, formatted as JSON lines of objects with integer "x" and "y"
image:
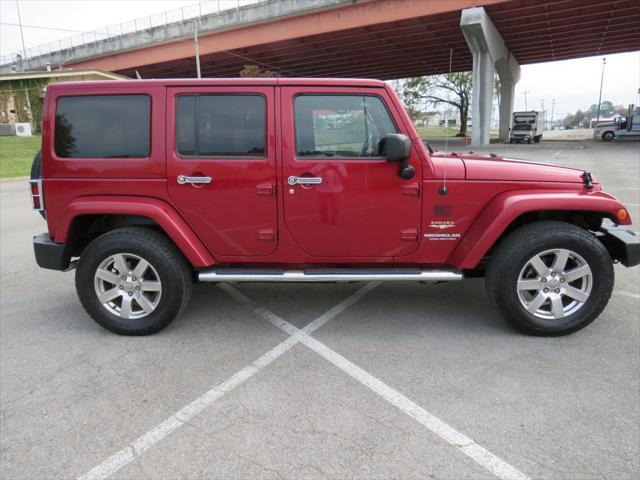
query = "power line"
{"x": 243, "y": 57}
{"x": 54, "y": 28}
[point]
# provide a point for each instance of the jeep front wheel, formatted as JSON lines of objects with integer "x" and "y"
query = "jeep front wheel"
{"x": 550, "y": 278}
{"x": 133, "y": 281}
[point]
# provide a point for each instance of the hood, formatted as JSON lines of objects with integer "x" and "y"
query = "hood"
{"x": 500, "y": 168}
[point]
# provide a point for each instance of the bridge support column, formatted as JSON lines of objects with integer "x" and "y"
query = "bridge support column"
{"x": 490, "y": 54}
{"x": 482, "y": 98}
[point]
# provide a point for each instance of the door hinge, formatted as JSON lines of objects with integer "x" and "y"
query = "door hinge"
{"x": 265, "y": 189}
{"x": 412, "y": 189}
{"x": 266, "y": 234}
{"x": 409, "y": 234}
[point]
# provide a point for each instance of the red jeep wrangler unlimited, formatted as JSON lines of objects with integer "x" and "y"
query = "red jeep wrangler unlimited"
{"x": 155, "y": 184}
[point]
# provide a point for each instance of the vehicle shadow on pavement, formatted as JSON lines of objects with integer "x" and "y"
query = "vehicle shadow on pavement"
{"x": 410, "y": 307}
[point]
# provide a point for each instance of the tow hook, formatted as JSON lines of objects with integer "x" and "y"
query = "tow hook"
{"x": 72, "y": 265}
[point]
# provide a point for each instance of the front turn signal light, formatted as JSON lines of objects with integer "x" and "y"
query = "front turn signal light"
{"x": 622, "y": 214}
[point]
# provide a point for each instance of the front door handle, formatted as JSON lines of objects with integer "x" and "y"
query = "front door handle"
{"x": 183, "y": 179}
{"x": 304, "y": 180}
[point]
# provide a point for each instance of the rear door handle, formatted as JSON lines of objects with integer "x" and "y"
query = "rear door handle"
{"x": 183, "y": 179}
{"x": 304, "y": 180}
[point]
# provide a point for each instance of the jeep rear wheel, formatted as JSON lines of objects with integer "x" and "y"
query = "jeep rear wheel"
{"x": 133, "y": 281}
{"x": 550, "y": 278}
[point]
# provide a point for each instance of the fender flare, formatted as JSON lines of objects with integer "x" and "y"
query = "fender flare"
{"x": 503, "y": 209}
{"x": 157, "y": 210}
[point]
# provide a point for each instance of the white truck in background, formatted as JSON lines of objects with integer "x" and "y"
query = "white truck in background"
{"x": 621, "y": 127}
{"x": 527, "y": 127}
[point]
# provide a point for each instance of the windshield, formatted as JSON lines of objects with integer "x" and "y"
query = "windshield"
{"x": 522, "y": 127}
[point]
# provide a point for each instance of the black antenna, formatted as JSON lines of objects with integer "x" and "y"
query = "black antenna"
{"x": 444, "y": 189}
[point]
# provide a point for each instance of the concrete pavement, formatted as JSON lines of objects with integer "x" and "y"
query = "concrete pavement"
{"x": 72, "y": 394}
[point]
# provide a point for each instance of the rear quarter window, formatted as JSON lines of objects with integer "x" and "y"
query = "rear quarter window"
{"x": 103, "y": 126}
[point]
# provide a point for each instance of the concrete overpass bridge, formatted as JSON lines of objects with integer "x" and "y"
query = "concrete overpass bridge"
{"x": 383, "y": 39}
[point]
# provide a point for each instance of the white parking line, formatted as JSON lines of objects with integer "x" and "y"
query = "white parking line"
{"x": 554, "y": 155}
{"x": 627, "y": 294}
{"x": 185, "y": 414}
{"x": 477, "y": 453}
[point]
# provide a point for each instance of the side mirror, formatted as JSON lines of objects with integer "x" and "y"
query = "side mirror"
{"x": 397, "y": 149}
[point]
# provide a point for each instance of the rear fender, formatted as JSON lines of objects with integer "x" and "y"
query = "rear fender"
{"x": 157, "y": 210}
{"x": 508, "y": 206}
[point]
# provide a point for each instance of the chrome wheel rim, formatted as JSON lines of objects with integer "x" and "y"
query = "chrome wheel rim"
{"x": 128, "y": 286}
{"x": 554, "y": 284}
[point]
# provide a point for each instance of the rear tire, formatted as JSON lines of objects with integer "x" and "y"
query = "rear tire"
{"x": 544, "y": 303}
{"x": 141, "y": 299}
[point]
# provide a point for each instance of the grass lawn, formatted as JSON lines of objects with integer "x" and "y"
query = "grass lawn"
{"x": 16, "y": 155}
{"x": 438, "y": 132}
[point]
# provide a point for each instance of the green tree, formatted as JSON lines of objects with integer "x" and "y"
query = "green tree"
{"x": 606, "y": 109}
{"x": 572, "y": 120}
{"x": 453, "y": 89}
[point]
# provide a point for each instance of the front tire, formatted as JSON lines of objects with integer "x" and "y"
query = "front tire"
{"x": 607, "y": 136}
{"x": 550, "y": 278}
{"x": 133, "y": 281}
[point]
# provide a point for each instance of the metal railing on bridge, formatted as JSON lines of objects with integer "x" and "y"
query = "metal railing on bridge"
{"x": 211, "y": 7}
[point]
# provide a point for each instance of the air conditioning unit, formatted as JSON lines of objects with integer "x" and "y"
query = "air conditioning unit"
{"x": 23, "y": 129}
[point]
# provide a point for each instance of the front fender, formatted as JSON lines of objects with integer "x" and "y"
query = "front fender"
{"x": 157, "y": 210}
{"x": 508, "y": 206}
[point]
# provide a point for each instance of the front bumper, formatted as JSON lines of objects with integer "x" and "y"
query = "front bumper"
{"x": 51, "y": 255}
{"x": 623, "y": 245}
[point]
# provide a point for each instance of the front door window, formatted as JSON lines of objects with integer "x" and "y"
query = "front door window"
{"x": 330, "y": 126}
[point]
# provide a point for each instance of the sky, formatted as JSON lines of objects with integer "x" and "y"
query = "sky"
{"x": 573, "y": 84}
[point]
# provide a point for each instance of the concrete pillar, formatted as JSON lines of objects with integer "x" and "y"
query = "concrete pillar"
{"x": 482, "y": 98}
{"x": 507, "y": 90}
{"x": 509, "y": 74}
{"x": 490, "y": 54}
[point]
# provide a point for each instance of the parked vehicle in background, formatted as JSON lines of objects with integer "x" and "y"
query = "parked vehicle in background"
{"x": 150, "y": 185}
{"x": 621, "y": 127}
{"x": 527, "y": 127}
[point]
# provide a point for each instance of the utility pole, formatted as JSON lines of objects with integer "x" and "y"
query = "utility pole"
{"x": 24, "y": 50}
{"x": 553, "y": 107}
{"x": 604, "y": 62}
{"x": 544, "y": 116}
{"x": 24, "y": 59}
{"x": 195, "y": 41}
{"x": 525, "y": 100}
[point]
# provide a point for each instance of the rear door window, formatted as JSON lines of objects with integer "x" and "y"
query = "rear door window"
{"x": 103, "y": 126}
{"x": 221, "y": 125}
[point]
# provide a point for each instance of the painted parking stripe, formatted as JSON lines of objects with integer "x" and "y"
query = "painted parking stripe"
{"x": 554, "y": 155}
{"x": 627, "y": 294}
{"x": 184, "y": 415}
{"x": 466, "y": 445}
